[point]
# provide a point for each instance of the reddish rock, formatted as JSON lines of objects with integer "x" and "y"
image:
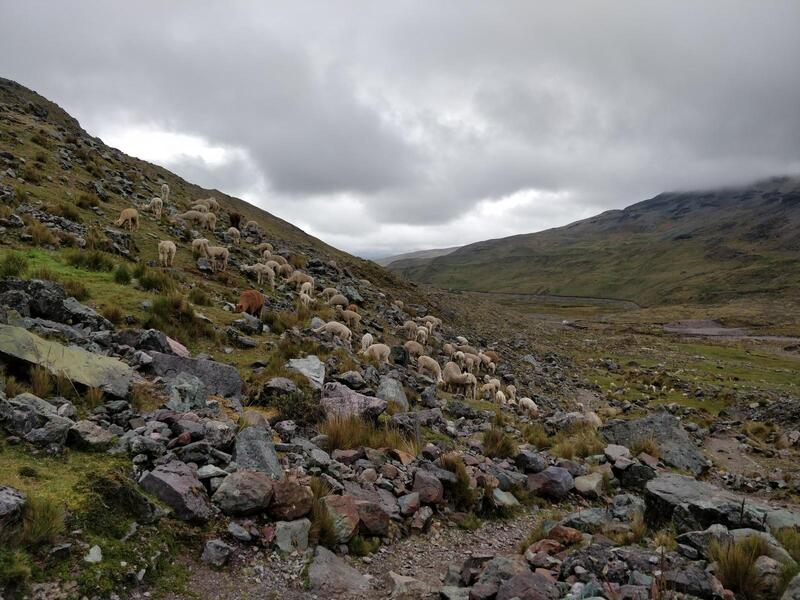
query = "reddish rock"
{"x": 428, "y": 486}
{"x": 374, "y": 520}
{"x": 344, "y": 513}
{"x": 566, "y": 536}
{"x": 290, "y": 501}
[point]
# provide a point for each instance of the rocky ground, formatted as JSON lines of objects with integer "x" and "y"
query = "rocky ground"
{"x": 155, "y": 443}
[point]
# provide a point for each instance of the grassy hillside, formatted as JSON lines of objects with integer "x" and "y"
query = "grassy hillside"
{"x": 678, "y": 247}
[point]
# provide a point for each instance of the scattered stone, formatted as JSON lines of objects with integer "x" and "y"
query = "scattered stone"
{"x": 553, "y": 482}
{"x": 330, "y": 575}
{"x": 94, "y": 556}
{"x": 311, "y": 367}
{"x": 176, "y": 485}
{"x": 216, "y": 553}
{"x": 244, "y": 493}
{"x": 254, "y": 450}
{"x": 292, "y": 536}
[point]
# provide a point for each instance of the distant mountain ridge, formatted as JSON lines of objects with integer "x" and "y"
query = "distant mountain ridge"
{"x": 701, "y": 246}
{"x": 413, "y": 256}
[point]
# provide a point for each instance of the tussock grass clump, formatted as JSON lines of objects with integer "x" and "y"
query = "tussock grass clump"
{"x": 93, "y": 260}
{"x": 346, "y": 433}
{"x": 64, "y": 386}
{"x": 497, "y": 444}
{"x": 736, "y": 565}
{"x": 470, "y": 522}
{"x": 13, "y": 387}
{"x": 41, "y": 381}
{"x": 114, "y": 314}
{"x": 199, "y": 297}
{"x": 68, "y": 211}
{"x": 536, "y": 435}
{"x": 363, "y": 546}
{"x": 155, "y": 281}
{"x": 279, "y": 322}
{"x": 76, "y": 289}
{"x": 647, "y": 445}
{"x": 323, "y": 530}
{"x": 122, "y": 275}
{"x": 625, "y": 536}
{"x": 461, "y": 493}
{"x": 41, "y": 234}
{"x": 174, "y": 316}
{"x": 31, "y": 174}
{"x": 789, "y": 538}
{"x": 93, "y": 397}
{"x": 144, "y": 398}
{"x": 13, "y": 264}
{"x": 665, "y": 538}
{"x": 583, "y": 443}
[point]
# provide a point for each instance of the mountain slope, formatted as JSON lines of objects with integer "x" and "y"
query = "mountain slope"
{"x": 677, "y": 247}
{"x": 418, "y": 255}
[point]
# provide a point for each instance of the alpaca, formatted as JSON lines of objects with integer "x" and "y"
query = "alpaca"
{"x": 377, "y": 352}
{"x": 336, "y": 329}
{"x": 200, "y": 247}
{"x": 366, "y": 341}
{"x": 155, "y": 207}
{"x": 235, "y": 219}
{"x": 306, "y": 288}
{"x": 129, "y": 217}
{"x": 426, "y": 364}
{"x": 210, "y": 221}
{"x": 219, "y": 257}
{"x": 305, "y": 299}
{"x": 234, "y": 235}
{"x": 164, "y": 193}
{"x": 166, "y": 253}
{"x": 351, "y": 318}
{"x": 250, "y": 302}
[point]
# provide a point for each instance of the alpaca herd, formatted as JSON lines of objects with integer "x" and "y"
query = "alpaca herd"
{"x": 461, "y": 363}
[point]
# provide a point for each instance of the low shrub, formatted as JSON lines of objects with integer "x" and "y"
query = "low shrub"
{"x": 68, "y": 211}
{"x": 93, "y": 397}
{"x": 361, "y": 546}
{"x": 13, "y": 264}
{"x": 31, "y": 174}
{"x": 536, "y": 435}
{"x": 582, "y": 444}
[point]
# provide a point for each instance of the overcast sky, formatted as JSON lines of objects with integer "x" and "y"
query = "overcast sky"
{"x": 383, "y": 127}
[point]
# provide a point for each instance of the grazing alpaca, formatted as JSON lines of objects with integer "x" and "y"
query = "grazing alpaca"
{"x": 219, "y": 257}
{"x": 155, "y": 207}
{"x": 200, "y": 247}
{"x": 210, "y": 220}
{"x": 250, "y": 302}
{"x": 235, "y": 235}
{"x": 129, "y": 218}
{"x": 166, "y": 253}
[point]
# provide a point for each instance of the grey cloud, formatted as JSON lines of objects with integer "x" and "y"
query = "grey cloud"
{"x": 418, "y": 113}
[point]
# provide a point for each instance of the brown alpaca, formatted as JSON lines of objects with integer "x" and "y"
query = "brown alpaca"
{"x": 236, "y": 219}
{"x": 251, "y": 302}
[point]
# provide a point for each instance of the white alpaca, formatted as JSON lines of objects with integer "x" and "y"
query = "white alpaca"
{"x": 164, "y": 193}
{"x": 200, "y": 247}
{"x": 155, "y": 207}
{"x": 366, "y": 341}
{"x": 166, "y": 253}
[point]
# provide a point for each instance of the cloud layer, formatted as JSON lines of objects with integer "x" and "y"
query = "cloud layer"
{"x": 388, "y": 127}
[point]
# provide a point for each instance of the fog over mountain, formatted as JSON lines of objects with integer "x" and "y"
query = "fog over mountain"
{"x": 386, "y": 128}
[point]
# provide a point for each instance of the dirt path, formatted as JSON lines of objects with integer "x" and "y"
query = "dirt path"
{"x": 428, "y": 557}
{"x": 257, "y": 573}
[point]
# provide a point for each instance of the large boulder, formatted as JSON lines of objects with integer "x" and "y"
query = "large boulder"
{"x": 311, "y": 367}
{"x": 331, "y": 576}
{"x": 695, "y": 505}
{"x": 34, "y": 419}
{"x": 428, "y": 486}
{"x": 187, "y": 393}
{"x": 392, "y": 390}
{"x": 244, "y": 493}
{"x": 528, "y": 585}
{"x": 554, "y": 483}
{"x": 88, "y": 435}
{"x": 47, "y": 300}
{"x": 176, "y": 485}
{"x": 92, "y": 370}
{"x": 340, "y": 400}
{"x": 497, "y": 571}
{"x": 677, "y": 448}
{"x": 373, "y": 519}
{"x": 219, "y": 379}
{"x": 254, "y": 450}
